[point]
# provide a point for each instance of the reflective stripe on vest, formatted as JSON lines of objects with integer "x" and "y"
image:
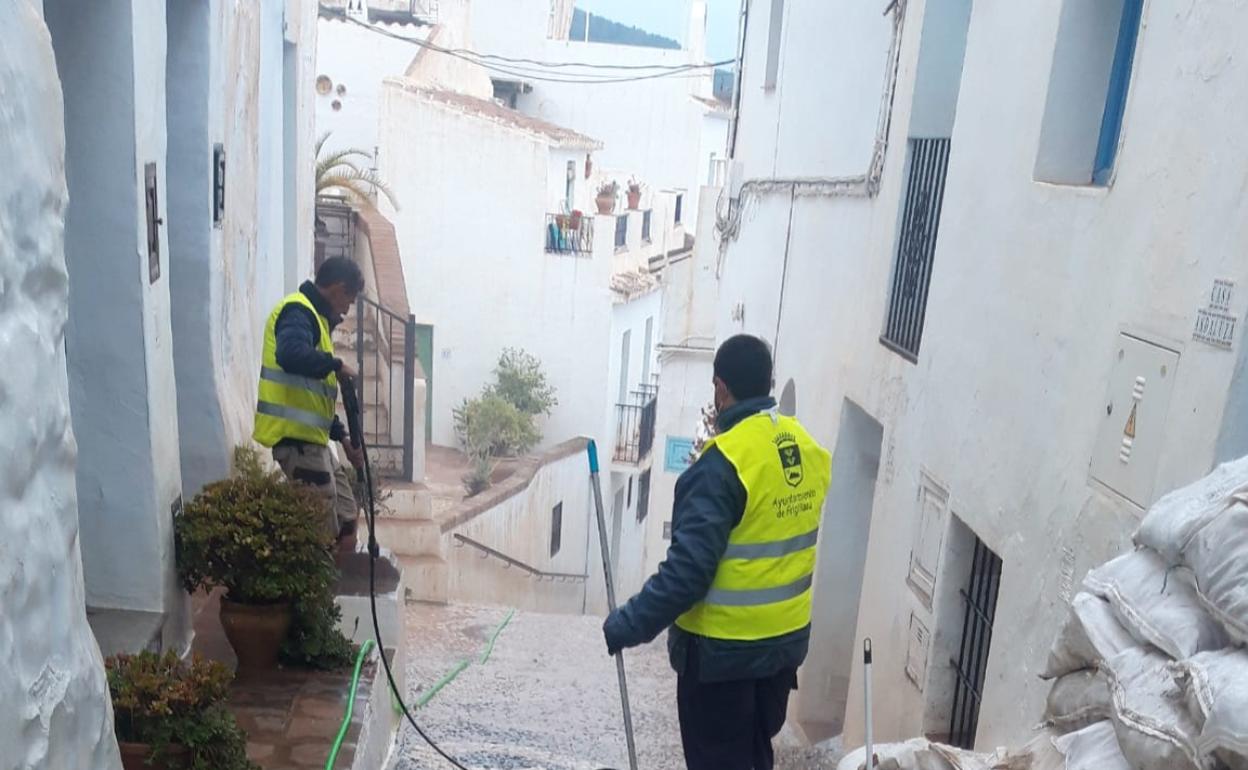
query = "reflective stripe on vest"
{"x": 290, "y": 405}
{"x": 762, "y": 588}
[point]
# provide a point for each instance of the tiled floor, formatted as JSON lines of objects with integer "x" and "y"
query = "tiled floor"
{"x": 291, "y": 716}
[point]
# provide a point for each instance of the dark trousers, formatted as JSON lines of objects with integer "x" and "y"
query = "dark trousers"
{"x": 730, "y": 725}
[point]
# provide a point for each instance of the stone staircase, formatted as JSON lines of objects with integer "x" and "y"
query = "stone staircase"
{"x": 409, "y": 530}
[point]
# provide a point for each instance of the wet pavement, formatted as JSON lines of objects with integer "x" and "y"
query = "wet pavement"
{"x": 546, "y": 699}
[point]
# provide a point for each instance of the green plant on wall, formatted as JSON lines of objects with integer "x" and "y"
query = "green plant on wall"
{"x": 502, "y": 421}
{"x": 519, "y": 380}
{"x": 171, "y": 705}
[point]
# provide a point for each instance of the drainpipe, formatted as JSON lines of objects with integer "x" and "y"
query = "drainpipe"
{"x": 740, "y": 73}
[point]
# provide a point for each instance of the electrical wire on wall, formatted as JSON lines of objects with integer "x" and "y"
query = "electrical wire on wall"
{"x": 729, "y": 210}
{"x": 537, "y": 69}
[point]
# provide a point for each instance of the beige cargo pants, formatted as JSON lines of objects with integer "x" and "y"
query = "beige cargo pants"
{"x": 317, "y": 467}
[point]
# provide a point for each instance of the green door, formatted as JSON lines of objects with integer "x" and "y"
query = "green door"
{"x": 424, "y": 353}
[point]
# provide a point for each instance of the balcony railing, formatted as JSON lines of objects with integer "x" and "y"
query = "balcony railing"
{"x": 335, "y": 229}
{"x": 621, "y": 232}
{"x": 569, "y": 234}
{"x": 645, "y": 224}
{"x": 634, "y": 436}
{"x": 385, "y": 346}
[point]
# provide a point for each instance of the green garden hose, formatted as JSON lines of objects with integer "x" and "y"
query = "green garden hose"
{"x": 346, "y": 719}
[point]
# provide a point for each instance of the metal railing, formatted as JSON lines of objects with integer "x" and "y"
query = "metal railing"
{"x": 916, "y": 246}
{"x": 385, "y": 348}
{"x": 569, "y": 234}
{"x": 508, "y": 561}
{"x": 646, "y": 216}
{"x": 634, "y": 434}
{"x": 971, "y": 665}
{"x": 621, "y": 231}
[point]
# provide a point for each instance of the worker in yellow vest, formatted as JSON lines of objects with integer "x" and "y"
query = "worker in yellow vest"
{"x": 299, "y": 381}
{"x": 735, "y": 587}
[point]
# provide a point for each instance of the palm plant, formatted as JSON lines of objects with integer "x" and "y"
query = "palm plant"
{"x": 337, "y": 170}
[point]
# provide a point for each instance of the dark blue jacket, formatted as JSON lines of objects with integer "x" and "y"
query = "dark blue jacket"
{"x": 710, "y": 502}
{"x": 298, "y": 335}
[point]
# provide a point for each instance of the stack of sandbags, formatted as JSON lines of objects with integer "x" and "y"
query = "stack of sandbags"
{"x": 1149, "y": 654}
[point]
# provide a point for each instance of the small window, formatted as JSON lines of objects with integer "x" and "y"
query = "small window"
{"x": 680, "y": 205}
{"x": 643, "y": 497}
{"x": 774, "y": 33}
{"x": 1088, "y": 86}
{"x": 556, "y": 529}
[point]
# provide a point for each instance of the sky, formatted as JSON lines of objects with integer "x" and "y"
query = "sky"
{"x": 670, "y": 18}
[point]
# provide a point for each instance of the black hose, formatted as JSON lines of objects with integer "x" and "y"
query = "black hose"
{"x": 355, "y": 431}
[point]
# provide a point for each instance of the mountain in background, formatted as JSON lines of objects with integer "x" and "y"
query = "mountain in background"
{"x": 602, "y": 30}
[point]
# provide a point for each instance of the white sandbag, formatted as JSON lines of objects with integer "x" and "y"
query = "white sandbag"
{"x": 1078, "y": 700}
{"x": 1038, "y": 754}
{"x": 1156, "y": 606}
{"x": 1151, "y": 720}
{"x": 1092, "y": 748}
{"x": 917, "y": 754}
{"x": 1216, "y": 684}
{"x": 1175, "y": 519}
{"x": 1218, "y": 558}
{"x": 1091, "y": 635}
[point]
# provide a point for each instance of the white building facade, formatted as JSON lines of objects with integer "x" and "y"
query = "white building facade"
{"x": 1003, "y": 275}
{"x": 169, "y": 147}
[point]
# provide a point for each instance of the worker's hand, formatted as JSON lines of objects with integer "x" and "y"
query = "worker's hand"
{"x": 346, "y": 370}
{"x": 354, "y": 454}
{"x": 613, "y": 644}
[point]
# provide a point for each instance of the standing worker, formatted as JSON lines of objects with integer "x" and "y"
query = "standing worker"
{"x": 299, "y": 378}
{"x": 736, "y": 584}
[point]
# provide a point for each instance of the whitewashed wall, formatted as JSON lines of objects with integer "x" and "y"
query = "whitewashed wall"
{"x": 111, "y": 59}
{"x": 476, "y": 267}
{"x": 54, "y": 705}
{"x": 650, "y": 127}
{"x": 358, "y": 59}
{"x": 521, "y": 527}
{"x": 1032, "y": 285}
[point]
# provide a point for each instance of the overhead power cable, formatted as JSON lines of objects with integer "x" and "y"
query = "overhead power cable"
{"x": 519, "y": 72}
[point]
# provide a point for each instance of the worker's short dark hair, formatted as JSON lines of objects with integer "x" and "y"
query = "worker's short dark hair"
{"x": 340, "y": 270}
{"x": 743, "y": 363}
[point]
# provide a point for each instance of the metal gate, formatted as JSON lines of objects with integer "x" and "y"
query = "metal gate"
{"x": 980, "y": 598}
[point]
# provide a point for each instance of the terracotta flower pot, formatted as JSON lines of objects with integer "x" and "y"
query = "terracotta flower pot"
{"x": 606, "y": 204}
{"x": 634, "y": 199}
{"x": 576, "y": 220}
{"x": 134, "y": 757}
{"x": 255, "y": 631}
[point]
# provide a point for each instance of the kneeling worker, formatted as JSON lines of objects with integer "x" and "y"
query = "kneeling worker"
{"x": 299, "y": 379}
{"x": 736, "y": 584}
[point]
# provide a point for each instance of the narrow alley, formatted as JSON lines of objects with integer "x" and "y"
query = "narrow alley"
{"x": 546, "y": 698}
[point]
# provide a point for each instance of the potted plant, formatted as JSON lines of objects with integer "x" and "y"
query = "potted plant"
{"x": 576, "y": 219}
{"x": 607, "y": 193}
{"x": 171, "y": 715}
{"x": 561, "y": 221}
{"x": 634, "y": 194}
{"x": 263, "y": 540}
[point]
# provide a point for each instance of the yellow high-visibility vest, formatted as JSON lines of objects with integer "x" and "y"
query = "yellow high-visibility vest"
{"x": 762, "y": 588}
{"x": 290, "y": 405}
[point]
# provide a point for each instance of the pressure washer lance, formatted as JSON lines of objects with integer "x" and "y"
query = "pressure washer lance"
{"x": 869, "y": 755}
{"x": 606, "y": 572}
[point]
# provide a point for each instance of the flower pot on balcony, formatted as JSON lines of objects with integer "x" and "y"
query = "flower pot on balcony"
{"x": 634, "y": 198}
{"x": 606, "y": 203}
{"x": 255, "y": 631}
{"x": 134, "y": 757}
{"x": 576, "y": 219}
{"x": 561, "y": 221}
